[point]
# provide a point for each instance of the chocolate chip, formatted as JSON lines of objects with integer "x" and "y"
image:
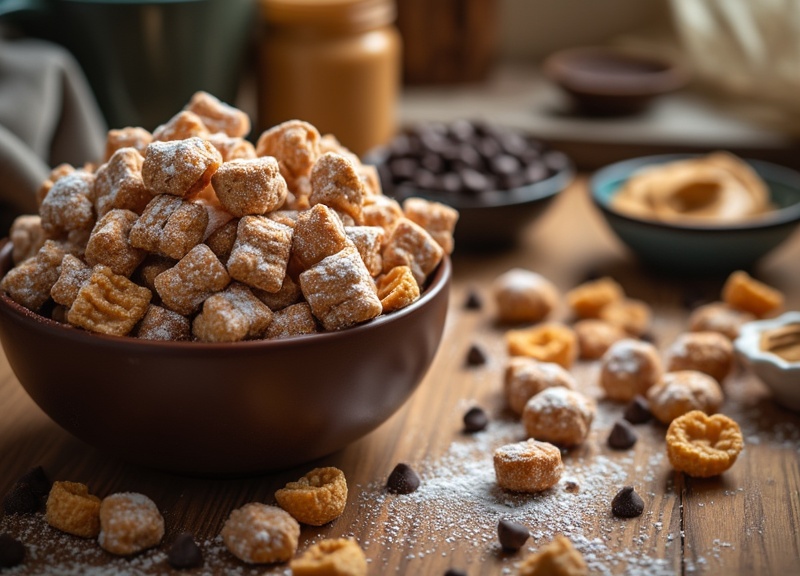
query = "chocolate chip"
{"x": 572, "y": 487}
{"x": 454, "y": 572}
{"x": 184, "y": 553}
{"x": 638, "y": 411}
{"x": 37, "y": 480}
{"x": 402, "y": 480}
{"x": 627, "y": 503}
{"x": 21, "y": 499}
{"x": 473, "y": 301}
{"x": 476, "y": 356}
{"x": 12, "y": 551}
{"x": 622, "y": 435}
{"x": 475, "y": 419}
{"x": 512, "y": 535}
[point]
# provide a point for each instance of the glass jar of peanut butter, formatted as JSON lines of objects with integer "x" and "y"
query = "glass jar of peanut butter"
{"x": 333, "y": 63}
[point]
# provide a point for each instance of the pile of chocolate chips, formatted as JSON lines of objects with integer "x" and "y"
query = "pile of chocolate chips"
{"x": 466, "y": 158}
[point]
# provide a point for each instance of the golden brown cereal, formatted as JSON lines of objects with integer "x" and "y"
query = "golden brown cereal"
{"x": 222, "y": 239}
{"x": 169, "y": 226}
{"x": 550, "y": 342}
{"x": 129, "y": 137}
{"x": 397, "y": 289}
{"x": 370, "y": 179}
{"x": 525, "y": 377}
{"x": 703, "y": 446}
{"x": 335, "y": 183}
{"x": 528, "y": 466}
{"x": 129, "y": 523}
{"x": 27, "y": 236}
{"x": 74, "y": 274}
{"x": 109, "y": 303}
{"x": 368, "y": 240}
{"x": 285, "y": 217}
{"x": 71, "y": 509}
{"x": 296, "y": 146}
{"x": 261, "y": 534}
{"x": 152, "y": 266}
{"x": 55, "y": 174}
{"x": 410, "y": 245}
{"x": 523, "y": 296}
{"x": 317, "y": 498}
{"x": 250, "y": 186}
{"x": 289, "y": 294}
{"x": 294, "y": 320}
{"x": 559, "y": 415}
{"x": 217, "y": 215}
{"x": 743, "y": 292}
{"x": 329, "y": 143}
{"x": 589, "y": 298}
{"x": 232, "y": 315}
{"x": 719, "y": 317}
{"x": 437, "y": 218}
{"x": 183, "y": 125}
{"x": 109, "y": 244}
{"x": 381, "y": 211}
{"x": 29, "y": 284}
{"x": 338, "y": 557}
{"x": 318, "y": 233}
{"x": 231, "y": 147}
{"x": 708, "y": 352}
{"x": 680, "y": 392}
{"x": 558, "y": 558}
{"x": 118, "y": 183}
{"x": 629, "y": 367}
{"x": 260, "y": 253}
{"x": 68, "y": 206}
{"x": 162, "y": 324}
{"x": 180, "y": 168}
{"x": 340, "y": 290}
{"x": 219, "y": 116}
{"x": 633, "y": 316}
{"x": 196, "y": 276}
{"x": 595, "y": 337}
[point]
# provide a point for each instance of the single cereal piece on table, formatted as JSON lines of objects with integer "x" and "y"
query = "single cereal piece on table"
{"x": 183, "y": 125}
{"x": 719, "y": 317}
{"x": 368, "y": 240}
{"x": 219, "y": 116}
{"x": 296, "y": 146}
{"x": 707, "y": 352}
{"x": 27, "y": 237}
{"x": 588, "y": 299}
{"x": 341, "y": 291}
{"x": 335, "y": 183}
{"x": 29, "y": 284}
{"x": 680, "y": 392}
{"x": 181, "y": 167}
{"x": 68, "y": 205}
{"x": 129, "y": 137}
{"x": 317, "y": 498}
{"x": 231, "y": 147}
{"x": 169, "y": 226}
{"x": 559, "y": 415}
{"x": 331, "y": 557}
{"x": 289, "y": 294}
{"x": 397, "y": 289}
{"x": 525, "y": 377}
{"x": 221, "y": 241}
{"x": 410, "y": 245}
{"x": 528, "y": 466}
{"x": 703, "y": 446}
{"x": 74, "y": 274}
{"x": 260, "y": 534}
{"x": 558, "y": 558}
{"x": 109, "y": 244}
{"x": 250, "y": 186}
{"x": 162, "y": 324}
{"x": 109, "y": 303}
{"x": 743, "y": 292}
{"x": 633, "y": 316}
{"x": 523, "y": 296}
{"x": 595, "y": 337}
{"x": 318, "y": 233}
{"x": 550, "y": 342}
{"x": 260, "y": 253}
{"x": 437, "y": 218}
{"x": 129, "y": 523}
{"x": 629, "y": 367}
{"x": 294, "y": 320}
{"x": 55, "y": 174}
{"x": 118, "y": 183}
{"x": 196, "y": 276}
{"x": 232, "y": 315}
{"x": 71, "y": 509}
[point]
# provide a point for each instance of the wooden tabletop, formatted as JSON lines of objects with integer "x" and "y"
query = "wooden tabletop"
{"x": 743, "y": 522}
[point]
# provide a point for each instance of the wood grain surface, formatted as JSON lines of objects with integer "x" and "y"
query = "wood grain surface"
{"x": 743, "y": 522}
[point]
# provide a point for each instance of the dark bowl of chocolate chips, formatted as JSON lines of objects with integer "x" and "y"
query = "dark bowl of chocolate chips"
{"x": 500, "y": 180}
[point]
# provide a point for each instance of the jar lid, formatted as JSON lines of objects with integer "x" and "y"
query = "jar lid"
{"x": 330, "y": 14}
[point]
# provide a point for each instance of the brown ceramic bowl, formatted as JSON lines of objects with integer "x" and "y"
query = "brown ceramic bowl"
{"x": 224, "y": 409}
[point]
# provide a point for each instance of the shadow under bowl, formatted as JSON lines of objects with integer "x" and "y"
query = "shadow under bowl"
{"x": 700, "y": 249}
{"x": 224, "y": 409}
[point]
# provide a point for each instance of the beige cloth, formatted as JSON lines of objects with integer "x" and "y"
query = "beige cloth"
{"x": 48, "y": 116}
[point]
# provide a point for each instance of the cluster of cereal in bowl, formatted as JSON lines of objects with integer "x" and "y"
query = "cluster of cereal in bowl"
{"x": 194, "y": 233}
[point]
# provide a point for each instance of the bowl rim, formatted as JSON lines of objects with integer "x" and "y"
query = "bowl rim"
{"x": 747, "y": 343}
{"x": 438, "y": 281}
{"x": 773, "y": 219}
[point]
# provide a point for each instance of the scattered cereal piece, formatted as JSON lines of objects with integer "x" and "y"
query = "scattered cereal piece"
{"x": 622, "y": 436}
{"x": 118, "y": 183}
{"x": 633, "y": 316}
{"x": 260, "y": 253}
{"x": 523, "y": 296}
{"x": 71, "y": 509}
{"x": 703, "y": 446}
{"x": 68, "y": 205}
{"x": 680, "y": 392}
{"x": 402, "y": 480}
{"x": 743, "y": 292}
{"x": 169, "y": 226}
{"x": 588, "y": 299}
{"x": 707, "y": 352}
{"x": 437, "y": 218}
{"x": 559, "y": 558}
{"x": 27, "y": 236}
{"x": 109, "y": 243}
{"x": 397, "y": 288}
{"x": 638, "y": 410}
{"x": 250, "y": 186}
{"x": 527, "y": 466}
{"x": 629, "y": 367}
{"x": 184, "y": 553}
{"x": 198, "y": 275}
{"x": 317, "y": 498}
{"x": 512, "y": 535}
{"x": 29, "y": 284}
{"x": 219, "y": 116}
{"x": 181, "y": 167}
{"x": 410, "y": 245}
{"x": 719, "y": 317}
{"x": 294, "y": 320}
{"x": 134, "y": 137}
{"x": 339, "y": 557}
{"x": 559, "y": 415}
{"x": 475, "y": 419}
{"x": 162, "y": 324}
{"x": 550, "y": 342}
{"x": 525, "y": 377}
{"x": 335, "y": 183}
{"x": 595, "y": 337}
{"x": 129, "y": 523}
{"x": 261, "y": 534}
{"x": 12, "y": 551}
{"x": 627, "y": 503}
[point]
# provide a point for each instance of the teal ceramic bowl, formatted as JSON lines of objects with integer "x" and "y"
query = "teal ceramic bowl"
{"x": 700, "y": 249}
